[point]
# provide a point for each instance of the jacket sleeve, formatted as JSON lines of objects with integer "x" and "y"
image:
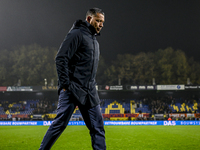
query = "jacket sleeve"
{"x": 65, "y": 53}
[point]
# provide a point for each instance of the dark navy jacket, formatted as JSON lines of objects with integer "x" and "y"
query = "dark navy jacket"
{"x": 77, "y": 62}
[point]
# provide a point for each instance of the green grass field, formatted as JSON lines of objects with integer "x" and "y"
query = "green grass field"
{"x": 117, "y": 138}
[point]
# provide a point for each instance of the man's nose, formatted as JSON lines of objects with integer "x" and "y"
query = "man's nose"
{"x": 101, "y": 24}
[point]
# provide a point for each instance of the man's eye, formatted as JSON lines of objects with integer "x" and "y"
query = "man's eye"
{"x": 98, "y": 20}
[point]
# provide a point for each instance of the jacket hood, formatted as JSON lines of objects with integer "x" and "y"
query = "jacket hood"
{"x": 84, "y": 25}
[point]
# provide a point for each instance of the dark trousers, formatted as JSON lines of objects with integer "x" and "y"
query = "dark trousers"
{"x": 92, "y": 117}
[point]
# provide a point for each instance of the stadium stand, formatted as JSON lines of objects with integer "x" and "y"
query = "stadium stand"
{"x": 124, "y": 109}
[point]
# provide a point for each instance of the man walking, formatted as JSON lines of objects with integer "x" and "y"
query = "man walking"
{"x": 76, "y": 63}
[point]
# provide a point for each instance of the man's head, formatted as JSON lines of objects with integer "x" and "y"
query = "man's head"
{"x": 95, "y": 17}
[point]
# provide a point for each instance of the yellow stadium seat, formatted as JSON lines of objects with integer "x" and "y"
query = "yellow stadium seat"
{"x": 132, "y": 106}
{"x": 110, "y": 107}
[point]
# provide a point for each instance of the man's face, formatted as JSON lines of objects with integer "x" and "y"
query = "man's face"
{"x": 96, "y": 21}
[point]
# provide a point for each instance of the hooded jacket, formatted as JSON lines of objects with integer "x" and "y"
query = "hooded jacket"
{"x": 77, "y": 62}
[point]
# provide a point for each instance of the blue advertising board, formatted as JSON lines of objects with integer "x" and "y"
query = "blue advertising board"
{"x": 111, "y": 123}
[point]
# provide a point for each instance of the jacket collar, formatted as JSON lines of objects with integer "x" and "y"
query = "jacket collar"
{"x": 91, "y": 28}
{"x": 86, "y": 25}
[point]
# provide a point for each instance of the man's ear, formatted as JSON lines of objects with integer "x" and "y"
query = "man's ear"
{"x": 88, "y": 18}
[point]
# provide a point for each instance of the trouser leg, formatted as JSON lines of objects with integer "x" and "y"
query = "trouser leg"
{"x": 94, "y": 122}
{"x": 64, "y": 112}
